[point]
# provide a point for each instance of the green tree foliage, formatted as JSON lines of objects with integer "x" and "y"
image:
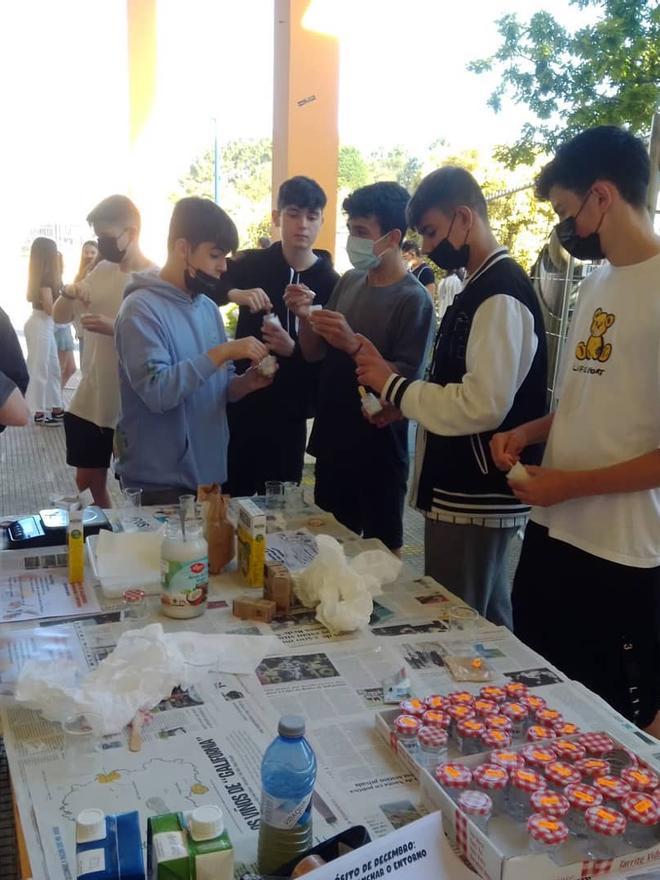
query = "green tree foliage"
{"x": 353, "y": 170}
{"x": 606, "y": 72}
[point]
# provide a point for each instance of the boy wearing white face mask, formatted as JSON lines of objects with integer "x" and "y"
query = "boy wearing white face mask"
{"x": 361, "y": 465}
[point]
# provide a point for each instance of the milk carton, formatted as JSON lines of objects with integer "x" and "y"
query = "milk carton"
{"x": 108, "y": 847}
{"x": 251, "y": 534}
{"x": 194, "y": 846}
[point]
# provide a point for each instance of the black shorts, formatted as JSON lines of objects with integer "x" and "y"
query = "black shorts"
{"x": 87, "y": 445}
{"x": 596, "y": 620}
{"x": 366, "y": 497}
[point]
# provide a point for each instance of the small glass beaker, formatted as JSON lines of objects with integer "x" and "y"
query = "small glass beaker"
{"x": 274, "y": 494}
{"x": 82, "y": 742}
{"x": 131, "y": 505}
{"x": 461, "y": 618}
{"x": 134, "y": 607}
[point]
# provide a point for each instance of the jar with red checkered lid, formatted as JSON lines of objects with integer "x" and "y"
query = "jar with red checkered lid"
{"x": 592, "y": 767}
{"x": 565, "y": 728}
{"x": 486, "y": 708}
{"x": 495, "y": 739}
{"x": 517, "y": 715}
{"x": 640, "y": 778}
{"x": 605, "y": 829}
{"x": 560, "y": 774}
{"x": 546, "y": 834}
{"x": 453, "y": 777}
{"x": 499, "y": 722}
{"x": 432, "y": 747}
{"x": 413, "y": 706}
{"x": 135, "y": 607}
{"x": 523, "y": 782}
{"x": 548, "y": 717}
{"x": 643, "y": 815}
{"x": 458, "y": 713}
{"x": 468, "y": 736}
{"x": 612, "y": 788}
{"x": 550, "y": 803}
{"x": 494, "y": 693}
{"x": 538, "y": 756}
{"x": 436, "y": 718}
{"x": 515, "y": 691}
{"x": 568, "y": 750}
{"x": 494, "y": 780}
{"x": 581, "y": 797}
{"x": 537, "y": 732}
{"x": 437, "y": 702}
{"x": 461, "y": 698}
{"x": 478, "y": 806}
{"x": 406, "y": 730}
{"x": 507, "y": 758}
{"x": 597, "y": 744}
{"x": 533, "y": 703}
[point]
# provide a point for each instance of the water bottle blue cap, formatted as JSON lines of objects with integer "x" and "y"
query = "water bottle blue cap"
{"x": 291, "y": 726}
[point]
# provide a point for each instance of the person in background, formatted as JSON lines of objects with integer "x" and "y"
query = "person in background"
{"x": 268, "y": 430}
{"x": 13, "y": 377}
{"x": 418, "y": 266}
{"x": 264, "y": 242}
{"x": 176, "y": 371}
{"x": 44, "y": 396}
{"x": 64, "y": 342}
{"x": 587, "y": 591}
{"x": 89, "y": 257}
{"x": 91, "y": 416}
{"x": 488, "y": 368}
{"x": 450, "y": 286}
{"x": 362, "y": 469}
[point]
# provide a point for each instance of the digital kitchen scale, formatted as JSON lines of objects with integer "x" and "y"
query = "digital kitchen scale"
{"x": 48, "y": 527}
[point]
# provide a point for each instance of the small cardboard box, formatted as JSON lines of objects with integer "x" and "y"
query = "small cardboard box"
{"x": 251, "y": 535}
{"x": 115, "y": 856}
{"x": 172, "y": 854}
{"x": 251, "y": 608}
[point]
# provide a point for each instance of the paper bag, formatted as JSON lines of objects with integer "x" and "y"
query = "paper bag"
{"x": 219, "y": 531}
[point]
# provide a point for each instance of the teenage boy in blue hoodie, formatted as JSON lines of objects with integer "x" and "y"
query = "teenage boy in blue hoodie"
{"x": 176, "y": 372}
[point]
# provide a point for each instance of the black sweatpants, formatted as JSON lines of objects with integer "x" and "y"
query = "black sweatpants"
{"x": 596, "y": 620}
{"x": 272, "y": 450}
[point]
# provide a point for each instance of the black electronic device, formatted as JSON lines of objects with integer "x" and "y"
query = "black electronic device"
{"x": 48, "y": 527}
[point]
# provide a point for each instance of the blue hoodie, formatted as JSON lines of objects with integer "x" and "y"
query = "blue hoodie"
{"x": 172, "y": 429}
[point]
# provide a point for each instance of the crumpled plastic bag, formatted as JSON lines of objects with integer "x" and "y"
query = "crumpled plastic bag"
{"x": 342, "y": 589}
{"x": 144, "y": 668}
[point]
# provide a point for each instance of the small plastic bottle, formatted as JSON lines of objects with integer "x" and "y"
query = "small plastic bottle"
{"x": 432, "y": 747}
{"x": 581, "y": 798}
{"x": 454, "y": 777}
{"x": 458, "y": 713}
{"x": 478, "y": 806}
{"x": 288, "y": 776}
{"x": 468, "y": 736}
{"x": 546, "y": 835}
{"x": 184, "y": 570}
{"x": 523, "y": 783}
{"x": 643, "y": 815}
{"x": 494, "y": 780}
{"x": 550, "y": 803}
{"x": 406, "y": 730}
{"x": 605, "y": 828}
{"x": 560, "y": 774}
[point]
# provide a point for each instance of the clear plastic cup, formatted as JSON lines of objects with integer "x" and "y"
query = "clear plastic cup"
{"x": 131, "y": 505}
{"x": 461, "y": 618}
{"x": 82, "y": 743}
{"x": 274, "y": 494}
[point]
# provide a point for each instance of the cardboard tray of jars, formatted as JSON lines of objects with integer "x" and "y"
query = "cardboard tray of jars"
{"x": 567, "y": 807}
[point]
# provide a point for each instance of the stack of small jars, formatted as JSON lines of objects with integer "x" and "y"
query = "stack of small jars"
{"x": 586, "y": 787}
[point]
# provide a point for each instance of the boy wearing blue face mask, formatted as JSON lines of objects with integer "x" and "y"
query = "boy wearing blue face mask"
{"x": 587, "y": 590}
{"x": 176, "y": 371}
{"x": 488, "y": 366}
{"x": 362, "y": 469}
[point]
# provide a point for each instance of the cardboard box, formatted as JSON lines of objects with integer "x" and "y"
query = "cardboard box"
{"x": 249, "y": 608}
{"x": 172, "y": 854}
{"x": 251, "y": 535}
{"x": 278, "y": 588}
{"x": 503, "y": 854}
{"x": 116, "y": 854}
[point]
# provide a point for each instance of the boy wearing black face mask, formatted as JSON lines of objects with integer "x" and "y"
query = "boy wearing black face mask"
{"x": 488, "y": 367}
{"x": 587, "y": 590}
{"x": 91, "y": 417}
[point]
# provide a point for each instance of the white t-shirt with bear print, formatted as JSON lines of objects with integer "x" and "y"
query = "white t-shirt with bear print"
{"x": 609, "y": 412}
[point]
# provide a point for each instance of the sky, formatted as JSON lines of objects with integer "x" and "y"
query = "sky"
{"x": 403, "y": 80}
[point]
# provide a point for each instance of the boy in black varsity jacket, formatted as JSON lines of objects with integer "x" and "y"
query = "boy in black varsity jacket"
{"x": 487, "y": 374}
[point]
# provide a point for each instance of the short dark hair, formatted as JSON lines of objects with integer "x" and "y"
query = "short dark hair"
{"x": 386, "y": 201}
{"x": 605, "y": 152}
{"x": 200, "y": 220}
{"x": 115, "y": 209}
{"x": 446, "y": 189}
{"x": 411, "y": 247}
{"x": 301, "y": 192}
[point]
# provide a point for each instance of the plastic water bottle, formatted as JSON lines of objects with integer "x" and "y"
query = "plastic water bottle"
{"x": 288, "y": 774}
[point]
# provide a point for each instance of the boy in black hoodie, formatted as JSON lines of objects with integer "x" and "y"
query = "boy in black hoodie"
{"x": 268, "y": 430}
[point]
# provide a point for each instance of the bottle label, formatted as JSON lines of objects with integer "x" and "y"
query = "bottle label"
{"x": 169, "y": 846}
{"x": 91, "y": 861}
{"x": 184, "y": 584}
{"x": 285, "y": 813}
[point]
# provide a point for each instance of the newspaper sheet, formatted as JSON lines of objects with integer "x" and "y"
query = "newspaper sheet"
{"x": 42, "y": 594}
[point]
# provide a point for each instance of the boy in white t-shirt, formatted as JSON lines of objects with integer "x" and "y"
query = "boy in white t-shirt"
{"x": 91, "y": 417}
{"x": 587, "y": 590}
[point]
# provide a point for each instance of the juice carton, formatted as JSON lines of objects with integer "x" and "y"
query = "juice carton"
{"x": 194, "y": 846}
{"x": 251, "y": 543}
{"x": 108, "y": 847}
